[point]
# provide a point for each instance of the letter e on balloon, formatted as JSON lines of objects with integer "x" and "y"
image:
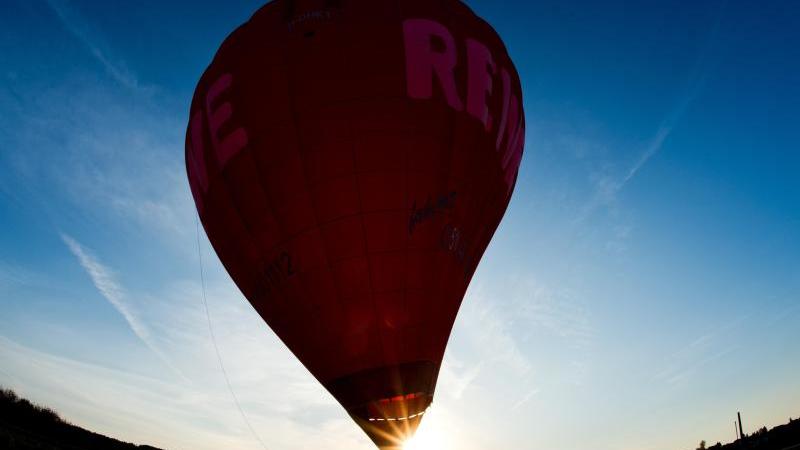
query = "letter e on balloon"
{"x": 218, "y": 114}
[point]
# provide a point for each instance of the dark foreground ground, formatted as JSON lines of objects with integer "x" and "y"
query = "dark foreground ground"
{"x": 25, "y": 426}
{"x": 782, "y": 437}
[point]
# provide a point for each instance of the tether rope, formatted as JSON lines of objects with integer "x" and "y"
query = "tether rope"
{"x": 214, "y": 340}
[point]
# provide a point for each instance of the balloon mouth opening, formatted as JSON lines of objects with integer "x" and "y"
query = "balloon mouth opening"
{"x": 388, "y": 402}
{"x": 399, "y": 408}
{"x": 390, "y": 422}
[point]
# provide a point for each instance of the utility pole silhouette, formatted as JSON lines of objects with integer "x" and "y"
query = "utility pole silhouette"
{"x": 736, "y": 429}
{"x": 741, "y": 433}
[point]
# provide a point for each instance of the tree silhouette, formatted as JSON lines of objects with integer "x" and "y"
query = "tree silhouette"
{"x": 26, "y": 426}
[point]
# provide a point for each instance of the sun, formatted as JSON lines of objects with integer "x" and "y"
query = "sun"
{"x": 429, "y": 436}
{"x": 424, "y": 441}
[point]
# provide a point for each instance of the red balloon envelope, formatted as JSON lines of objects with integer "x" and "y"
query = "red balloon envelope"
{"x": 350, "y": 161}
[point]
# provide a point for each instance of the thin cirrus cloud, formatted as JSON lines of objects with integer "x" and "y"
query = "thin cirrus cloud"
{"x": 716, "y": 343}
{"x": 106, "y": 283}
{"x": 197, "y": 415}
{"x": 118, "y": 151}
{"x": 99, "y": 150}
{"x": 607, "y": 186}
{"x": 79, "y": 389}
{"x": 277, "y": 392}
{"x": 12, "y": 275}
{"x": 79, "y": 28}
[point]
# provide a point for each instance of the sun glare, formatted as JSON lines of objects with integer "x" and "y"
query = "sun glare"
{"x": 428, "y": 437}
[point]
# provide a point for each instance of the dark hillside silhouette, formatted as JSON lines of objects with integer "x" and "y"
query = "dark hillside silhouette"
{"x": 782, "y": 437}
{"x": 24, "y": 426}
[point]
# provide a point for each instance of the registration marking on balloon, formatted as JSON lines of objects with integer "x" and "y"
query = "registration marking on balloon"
{"x": 452, "y": 240}
{"x": 442, "y": 203}
{"x": 309, "y": 16}
{"x": 275, "y": 274}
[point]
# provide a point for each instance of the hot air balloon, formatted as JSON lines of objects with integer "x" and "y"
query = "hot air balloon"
{"x": 350, "y": 161}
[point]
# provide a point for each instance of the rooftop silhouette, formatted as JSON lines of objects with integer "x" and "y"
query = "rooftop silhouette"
{"x": 781, "y": 437}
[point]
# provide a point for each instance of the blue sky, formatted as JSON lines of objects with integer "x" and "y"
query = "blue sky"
{"x": 643, "y": 286}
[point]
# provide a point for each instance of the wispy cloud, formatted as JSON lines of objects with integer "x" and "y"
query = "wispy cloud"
{"x": 75, "y": 24}
{"x": 456, "y": 376}
{"x": 95, "y": 152}
{"x": 14, "y": 275}
{"x": 106, "y": 283}
{"x": 280, "y": 398}
{"x": 607, "y": 185}
{"x": 492, "y": 336}
{"x": 655, "y": 145}
{"x": 488, "y": 340}
{"x": 680, "y": 373}
{"x": 106, "y": 144}
{"x": 525, "y": 398}
{"x": 484, "y": 343}
{"x": 556, "y": 312}
{"x": 135, "y": 408}
{"x": 709, "y": 347}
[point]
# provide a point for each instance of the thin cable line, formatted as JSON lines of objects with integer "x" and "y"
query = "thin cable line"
{"x": 214, "y": 339}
